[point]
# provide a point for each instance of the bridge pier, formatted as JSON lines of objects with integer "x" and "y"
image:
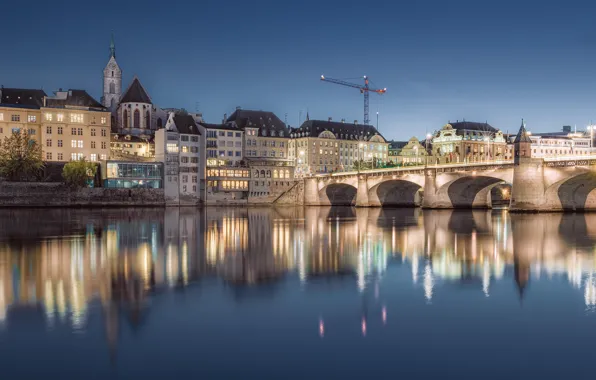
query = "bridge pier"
{"x": 528, "y": 190}
{"x": 430, "y": 189}
{"x": 362, "y": 193}
{"x": 311, "y": 192}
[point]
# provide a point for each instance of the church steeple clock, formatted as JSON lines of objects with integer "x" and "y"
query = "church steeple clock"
{"x": 112, "y": 81}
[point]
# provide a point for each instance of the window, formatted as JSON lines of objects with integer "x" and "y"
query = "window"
{"x": 125, "y": 119}
{"x": 184, "y": 188}
{"x": 15, "y": 117}
{"x": 80, "y": 143}
{"x": 59, "y": 143}
{"x": 230, "y": 153}
{"x": 194, "y": 179}
{"x": 73, "y": 131}
{"x": 194, "y": 189}
{"x": 222, "y": 153}
{"x": 73, "y": 143}
{"x": 80, "y": 131}
{"x": 92, "y": 131}
{"x": 48, "y": 116}
{"x": 76, "y": 117}
{"x": 92, "y": 144}
{"x": 49, "y": 130}
{"x": 60, "y": 157}
{"x": 238, "y": 154}
{"x": 103, "y": 132}
{"x": 60, "y": 117}
{"x": 147, "y": 120}
{"x": 73, "y": 156}
{"x": 136, "y": 119}
{"x": 59, "y": 130}
{"x": 104, "y": 145}
{"x": 185, "y": 179}
{"x": 184, "y": 160}
{"x": 48, "y": 156}
{"x": 31, "y": 131}
{"x": 222, "y": 133}
{"x": 49, "y": 142}
{"x": 103, "y": 120}
{"x": 1, "y": 117}
{"x": 172, "y": 148}
{"x": 230, "y": 143}
{"x": 238, "y": 134}
{"x": 103, "y": 156}
{"x": 183, "y": 138}
{"x": 230, "y": 134}
{"x": 184, "y": 149}
{"x": 272, "y": 154}
{"x": 31, "y": 118}
{"x": 93, "y": 157}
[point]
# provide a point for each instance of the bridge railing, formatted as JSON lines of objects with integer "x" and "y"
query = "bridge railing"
{"x": 570, "y": 158}
{"x": 418, "y": 167}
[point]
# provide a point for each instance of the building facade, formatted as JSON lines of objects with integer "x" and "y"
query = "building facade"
{"x": 559, "y": 144}
{"x": 224, "y": 144}
{"x": 131, "y": 147}
{"x": 326, "y": 146}
{"x": 20, "y": 109}
{"x": 180, "y": 147}
{"x": 409, "y": 152}
{"x": 467, "y": 141}
{"x": 75, "y": 126}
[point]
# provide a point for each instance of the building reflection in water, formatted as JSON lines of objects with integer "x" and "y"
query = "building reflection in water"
{"x": 60, "y": 263}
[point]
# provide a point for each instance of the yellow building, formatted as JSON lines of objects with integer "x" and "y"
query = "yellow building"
{"x": 326, "y": 146}
{"x": 74, "y": 126}
{"x": 20, "y": 110}
{"x": 131, "y": 147}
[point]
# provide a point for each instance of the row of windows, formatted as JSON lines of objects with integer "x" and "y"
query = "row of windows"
{"x": 74, "y": 156}
{"x": 276, "y": 174}
{"x": 222, "y": 153}
{"x": 192, "y": 138}
{"x": 272, "y": 144}
{"x": 227, "y": 173}
{"x": 185, "y": 160}
{"x": 76, "y": 144}
{"x": 254, "y": 153}
{"x": 237, "y": 144}
{"x": 78, "y": 131}
{"x": 185, "y": 178}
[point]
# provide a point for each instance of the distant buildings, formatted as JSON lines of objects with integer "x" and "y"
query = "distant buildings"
{"x": 555, "y": 144}
{"x": 409, "y": 152}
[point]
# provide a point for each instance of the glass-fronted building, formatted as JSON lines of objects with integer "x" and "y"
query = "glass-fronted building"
{"x": 132, "y": 175}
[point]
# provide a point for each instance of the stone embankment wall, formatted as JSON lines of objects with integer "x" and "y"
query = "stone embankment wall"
{"x": 43, "y": 194}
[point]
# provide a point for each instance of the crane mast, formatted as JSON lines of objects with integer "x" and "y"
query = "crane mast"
{"x": 364, "y": 89}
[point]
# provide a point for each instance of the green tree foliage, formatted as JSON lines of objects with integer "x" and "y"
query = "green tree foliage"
{"x": 76, "y": 173}
{"x": 20, "y": 157}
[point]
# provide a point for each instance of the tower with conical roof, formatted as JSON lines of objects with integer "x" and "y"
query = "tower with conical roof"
{"x": 522, "y": 144}
{"x": 112, "y": 81}
{"x": 528, "y": 188}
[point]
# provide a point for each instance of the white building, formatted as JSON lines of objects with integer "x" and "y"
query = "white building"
{"x": 181, "y": 146}
{"x": 560, "y": 144}
{"x": 225, "y": 145}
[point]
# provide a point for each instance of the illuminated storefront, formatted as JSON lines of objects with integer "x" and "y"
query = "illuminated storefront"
{"x": 132, "y": 175}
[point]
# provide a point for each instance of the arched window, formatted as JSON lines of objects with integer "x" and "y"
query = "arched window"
{"x": 125, "y": 119}
{"x": 112, "y": 103}
{"x": 275, "y": 173}
{"x": 268, "y": 173}
{"x": 263, "y": 173}
{"x": 256, "y": 174}
{"x": 136, "y": 122}
{"x": 159, "y": 125}
{"x": 112, "y": 88}
{"x": 112, "y": 73}
{"x": 147, "y": 120}
{"x": 287, "y": 173}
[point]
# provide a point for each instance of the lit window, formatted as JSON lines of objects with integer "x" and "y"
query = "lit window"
{"x": 80, "y": 143}
{"x": 31, "y": 118}
{"x": 103, "y": 156}
{"x": 73, "y": 143}
{"x": 73, "y": 156}
{"x": 15, "y": 117}
{"x": 93, "y": 157}
{"x": 79, "y": 156}
{"x": 60, "y": 117}
{"x": 76, "y": 117}
{"x": 172, "y": 148}
{"x": 184, "y": 149}
{"x": 48, "y": 116}
{"x": 103, "y": 120}
{"x": 1, "y": 117}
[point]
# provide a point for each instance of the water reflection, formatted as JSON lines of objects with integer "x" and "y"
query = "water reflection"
{"x": 59, "y": 267}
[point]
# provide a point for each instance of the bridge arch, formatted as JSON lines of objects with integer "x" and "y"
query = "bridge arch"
{"x": 575, "y": 193}
{"x": 469, "y": 190}
{"x": 338, "y": 194}
{"x": 395, "y": 193}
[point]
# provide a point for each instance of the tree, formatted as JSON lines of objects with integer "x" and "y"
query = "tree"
{"x": 20, "y": 157}
{"x": 76, "y": 173}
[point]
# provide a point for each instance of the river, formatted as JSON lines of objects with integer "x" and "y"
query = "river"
{"x": 265, "y": 293}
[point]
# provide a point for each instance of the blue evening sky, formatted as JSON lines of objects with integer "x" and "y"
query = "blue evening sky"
{"x": 495, "y": 61}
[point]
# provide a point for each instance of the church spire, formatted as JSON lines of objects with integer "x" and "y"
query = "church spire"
{"x": 112, "y": 47}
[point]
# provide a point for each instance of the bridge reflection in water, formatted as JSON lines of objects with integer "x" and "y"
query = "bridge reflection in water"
{"x": 66, "y": 259}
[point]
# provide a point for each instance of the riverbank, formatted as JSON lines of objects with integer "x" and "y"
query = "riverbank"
{"x": 47, "y": 194}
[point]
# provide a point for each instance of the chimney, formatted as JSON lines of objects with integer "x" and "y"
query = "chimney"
{"x": 238, "y": 108}
{"x": 343, "y": 120}
{"x": 355, "y": 122}
{"x": 329, "y": 119}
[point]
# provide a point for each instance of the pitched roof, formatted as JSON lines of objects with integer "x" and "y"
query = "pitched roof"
{"x": 268, "y": 123}
{"x": 79, "y": 98}
{"x": 473, "y": 126}
{"x": 135, "y": 93}
{"x": 522, "y": 135}
{"x": 342, "y": 131}
{"x": 185, "y": 124}
{"x": 22, "y": 96}
{"x": 226, "y": 126}
{"x": 397, "y": 144}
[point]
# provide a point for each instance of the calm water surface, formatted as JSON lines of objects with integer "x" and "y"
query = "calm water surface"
{"x": 296, "y": 293}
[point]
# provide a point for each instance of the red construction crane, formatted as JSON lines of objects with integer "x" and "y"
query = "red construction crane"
{"x": 363, "y": 90}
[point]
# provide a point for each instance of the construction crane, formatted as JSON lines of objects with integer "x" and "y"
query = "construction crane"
{"x": 363, "y": 90}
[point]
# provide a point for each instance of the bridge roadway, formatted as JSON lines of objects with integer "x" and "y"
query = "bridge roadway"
{"x": 563, "y": 183}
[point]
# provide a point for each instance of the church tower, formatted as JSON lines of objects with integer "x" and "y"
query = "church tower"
{"x": 112, "y": 81}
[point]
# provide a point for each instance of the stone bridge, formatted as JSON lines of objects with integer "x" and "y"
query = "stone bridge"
{"x": 537, "y": 185}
